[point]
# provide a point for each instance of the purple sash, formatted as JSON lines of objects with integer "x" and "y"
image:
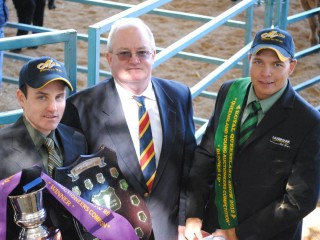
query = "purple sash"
{"x": 100, "y": 222}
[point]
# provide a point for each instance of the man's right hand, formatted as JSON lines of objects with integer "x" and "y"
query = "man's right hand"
{"x": 193, "y": 228}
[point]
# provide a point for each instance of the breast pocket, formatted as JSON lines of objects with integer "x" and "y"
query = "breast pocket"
{"x": 280, "y": 159}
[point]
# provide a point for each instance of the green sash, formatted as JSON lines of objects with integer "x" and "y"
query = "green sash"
{"x": 225, "y": 143}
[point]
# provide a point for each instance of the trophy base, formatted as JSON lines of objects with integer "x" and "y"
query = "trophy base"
{"x": 52, "y": 235}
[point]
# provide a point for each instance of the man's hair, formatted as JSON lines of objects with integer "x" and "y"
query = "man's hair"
{"x": 24, "y": 90}
{"x": 128, "y": 22}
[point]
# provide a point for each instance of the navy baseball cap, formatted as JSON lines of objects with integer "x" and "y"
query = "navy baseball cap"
{"x": 275, "y": 39}
{"x": 39, "y": 72}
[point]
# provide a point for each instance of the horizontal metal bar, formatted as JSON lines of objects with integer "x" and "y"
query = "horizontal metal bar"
{"x": 307, "y": 84}
{"x": 10, "y": 116}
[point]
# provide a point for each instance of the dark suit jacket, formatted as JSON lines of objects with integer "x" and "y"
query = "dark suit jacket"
{"x": 98, "y": 112}
{"x": 17, "y": 152}
{"x": 275, "y": 184}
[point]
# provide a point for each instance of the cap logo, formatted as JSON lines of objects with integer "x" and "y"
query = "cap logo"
{"x": 48, "y": 65}
{"x": 272, "y": 36}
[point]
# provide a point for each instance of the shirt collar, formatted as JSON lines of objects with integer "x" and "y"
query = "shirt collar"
{"x": 125, "y": 94}
{"x": 267, "y": 103}
{"x": 37, "y": 137}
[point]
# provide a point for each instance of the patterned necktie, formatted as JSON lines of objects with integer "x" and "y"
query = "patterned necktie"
{"x": 249, "y": 125}
{"x": 147, "y": 155}
{"x": 54, "y": 159}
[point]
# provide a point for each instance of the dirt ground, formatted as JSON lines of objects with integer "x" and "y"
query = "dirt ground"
{"x": 222, "y": 43}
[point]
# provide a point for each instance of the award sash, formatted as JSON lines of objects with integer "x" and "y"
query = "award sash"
{"x": 224, "y": 146}
{"x": 100, "y": 222}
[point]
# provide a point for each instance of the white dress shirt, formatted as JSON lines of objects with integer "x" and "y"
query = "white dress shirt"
{"x": 131, "y": 109}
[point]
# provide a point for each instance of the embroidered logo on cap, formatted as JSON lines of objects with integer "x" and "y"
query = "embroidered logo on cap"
{"x": 273, "y": 36}
{"x": 48, "y": 65}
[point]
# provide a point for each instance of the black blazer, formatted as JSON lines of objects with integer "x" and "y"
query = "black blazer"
{"x": 275, "y": 184}
{"x": 98, "y": 112}
{"x": 17, "y": 151}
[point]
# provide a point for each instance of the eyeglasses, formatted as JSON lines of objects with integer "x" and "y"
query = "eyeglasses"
{"x": 126, "y": 55}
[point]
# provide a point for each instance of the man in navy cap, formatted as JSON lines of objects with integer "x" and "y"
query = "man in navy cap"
{"x": 42, "y": 96}
{"x": 256, "y": 173}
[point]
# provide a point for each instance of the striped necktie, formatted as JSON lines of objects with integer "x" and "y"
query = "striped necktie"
{"x": 53, "y": 158}
{"x": 147, "y": 154}
{"x": 249, "y": 125}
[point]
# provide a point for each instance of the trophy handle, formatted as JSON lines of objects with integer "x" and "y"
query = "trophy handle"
{"x": 55, "y": 235}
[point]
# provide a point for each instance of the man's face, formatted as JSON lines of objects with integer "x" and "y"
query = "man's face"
{"x": 132, "y": 58}
{"x": 44, "y": 107}
{"x": 269, "y": 74}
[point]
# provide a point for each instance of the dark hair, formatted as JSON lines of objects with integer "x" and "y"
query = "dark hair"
{"x": 24, "y": 90}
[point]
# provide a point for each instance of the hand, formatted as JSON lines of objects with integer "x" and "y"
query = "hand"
{"x": 228, "y": 234}
{"x": 193, "y": 228}
{"x": 181, "y": 230}
{"x": 51, "y": 5}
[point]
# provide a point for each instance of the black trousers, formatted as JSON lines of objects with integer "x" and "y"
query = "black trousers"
{"x": 29, "y": 12}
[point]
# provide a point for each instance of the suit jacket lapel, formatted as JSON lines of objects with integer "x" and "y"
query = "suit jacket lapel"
{"x": 120, "y": 136}
{"x": 25, "y": 153}
{"x": 66, "y": 142}
{"x": 167, "y": 113}
{"x": 66, "y": 137}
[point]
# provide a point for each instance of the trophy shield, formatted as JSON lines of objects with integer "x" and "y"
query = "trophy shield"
{"x": 98, "y": 179}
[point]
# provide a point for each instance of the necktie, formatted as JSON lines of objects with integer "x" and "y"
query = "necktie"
{"x": 249, "y": 125}
{"x": 147, "y": 155}
{"x": 54, "y": 159}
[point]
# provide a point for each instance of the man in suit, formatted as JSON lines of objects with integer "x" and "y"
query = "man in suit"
{"x": 108, "y": 114}
{"x": 258, "y": 186}
{"x": 42, "y": 96}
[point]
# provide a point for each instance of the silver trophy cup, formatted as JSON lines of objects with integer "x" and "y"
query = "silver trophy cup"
{"x": 30, "y": 214}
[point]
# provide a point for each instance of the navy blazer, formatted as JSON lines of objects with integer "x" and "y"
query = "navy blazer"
{"x": 17, "y": 152}
{"x": 276, "y": 183}
{"x": 98, "y": 112}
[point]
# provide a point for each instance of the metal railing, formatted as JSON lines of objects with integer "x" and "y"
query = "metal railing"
{"x": 274, "y": 11}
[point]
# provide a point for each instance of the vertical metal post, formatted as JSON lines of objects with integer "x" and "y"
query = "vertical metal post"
{"x": 248, "y": 38}
{"x": 93, "y": 56}
{"x": 284, "y": 13}
{"x": 268, "y": 14}
{"x": 70, "y": 58}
